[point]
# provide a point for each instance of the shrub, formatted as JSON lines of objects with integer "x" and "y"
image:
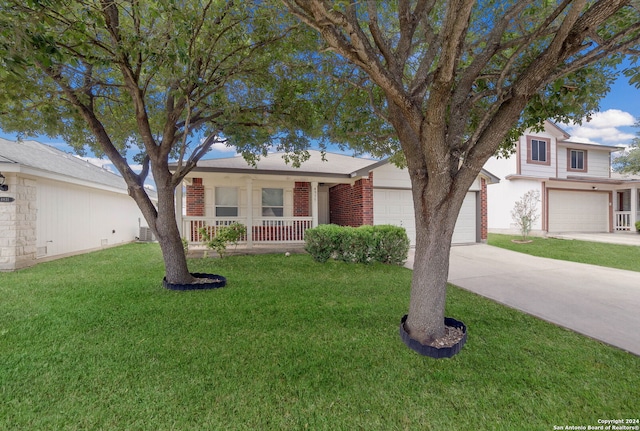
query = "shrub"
{"x": 219, "y": 237}
{"x": 356, "y": 244}
{"x": 322, "y": 242}
{"x": 525, "y": 212}
{"x": 391, "y": 244}
{"x": 364, "y": 244}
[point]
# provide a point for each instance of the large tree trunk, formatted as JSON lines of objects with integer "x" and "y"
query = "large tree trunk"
{"x": 162, "y": 222}
{"x": 434, "y": 230}
{"x": 166, "y": 229}
{"x": 175, "y": 261}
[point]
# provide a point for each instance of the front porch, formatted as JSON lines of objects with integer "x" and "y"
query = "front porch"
{"x": 262, "y": 230}
{"x": 626, "y": 209}
{"x": 625, "y": 221}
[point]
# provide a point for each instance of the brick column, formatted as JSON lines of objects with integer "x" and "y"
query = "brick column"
{"x": 195, "y": 198}
{"x": 195, "y": 206}
{"x": 352, "y": 205}
{"x": 301, "y": 199}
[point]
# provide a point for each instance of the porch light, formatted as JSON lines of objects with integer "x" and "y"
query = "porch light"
{"x": 3, "y": 186}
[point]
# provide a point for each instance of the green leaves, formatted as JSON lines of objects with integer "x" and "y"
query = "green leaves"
{"x": 629, "y": 161}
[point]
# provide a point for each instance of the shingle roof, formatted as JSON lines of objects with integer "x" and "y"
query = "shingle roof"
{"x": 47, "y": 158}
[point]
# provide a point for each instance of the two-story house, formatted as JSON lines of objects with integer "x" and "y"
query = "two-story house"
{"x": 577, "y": 190}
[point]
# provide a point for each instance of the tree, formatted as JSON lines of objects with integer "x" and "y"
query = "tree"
{"x": 629, "y": 162}
{"x": 150, "y": 77}
{"x": 459, "y": 80}
{"x": 525, "y": 212}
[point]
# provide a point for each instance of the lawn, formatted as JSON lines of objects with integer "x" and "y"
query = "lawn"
{"x": 594, "y": 253}
{"x": 94, "y": 342}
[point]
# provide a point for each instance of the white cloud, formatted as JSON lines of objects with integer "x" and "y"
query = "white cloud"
{"x": 222, "y": 148}
{"x": 610, "y": 127}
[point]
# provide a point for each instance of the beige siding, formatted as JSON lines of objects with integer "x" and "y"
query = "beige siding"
{"x": 597, "y": 163}
{"x": 71, "y": 218}
{"x": 390, "y": 176}
{"x": 535, "y": 169}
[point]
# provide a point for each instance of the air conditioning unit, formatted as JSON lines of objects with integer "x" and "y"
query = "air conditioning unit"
{"x": 146, "y": 234}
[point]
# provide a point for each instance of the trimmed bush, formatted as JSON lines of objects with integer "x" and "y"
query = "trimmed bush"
{"x": 385, "y": 243}
{"x": 391, "y": 244}
{"x": 322, "y": 242}
{"x": 356, "y": 244}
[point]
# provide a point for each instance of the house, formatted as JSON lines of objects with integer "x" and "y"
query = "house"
{"x": 278, "y": 202}
{"x": 56, "y": 205}
{"x": 577, "y": 189}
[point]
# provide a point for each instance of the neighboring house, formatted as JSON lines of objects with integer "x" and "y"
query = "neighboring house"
{"x": 278, "y": 202}
{"x": 57, "y": 205}
{"x": 577, "y": 189}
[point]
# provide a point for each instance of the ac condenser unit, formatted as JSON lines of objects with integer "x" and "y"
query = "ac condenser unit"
{"x": 146, "y": 234}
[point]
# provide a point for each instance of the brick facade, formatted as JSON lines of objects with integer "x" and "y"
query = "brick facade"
{"x": 302, "y": 199}
{"x": 352, "y": 205}
{"x": 195, "y": 198}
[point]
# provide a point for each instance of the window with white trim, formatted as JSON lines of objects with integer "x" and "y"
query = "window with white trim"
{"x": 272, "y": 202}
{"x": 226, "y": 200}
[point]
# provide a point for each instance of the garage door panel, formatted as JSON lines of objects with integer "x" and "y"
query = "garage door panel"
{"x": 578, "y": 211}
{"x": 395, "y": 207}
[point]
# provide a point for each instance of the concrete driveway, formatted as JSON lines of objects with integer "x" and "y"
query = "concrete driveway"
{"x": 602, "y": 303}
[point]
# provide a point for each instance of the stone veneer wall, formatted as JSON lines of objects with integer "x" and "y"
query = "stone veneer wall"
{"x": 18, "y": 220}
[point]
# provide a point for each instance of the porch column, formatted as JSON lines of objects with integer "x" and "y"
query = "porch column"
{"x": 314, "y": 204}
{"x": 249, "y": 212}
{"x": 634, "y": 207}
{"x": 179, "y": 219}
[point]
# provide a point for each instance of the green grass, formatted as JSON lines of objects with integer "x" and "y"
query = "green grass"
{"x": 94, "y": 342}
{"x": 594, "y": 253}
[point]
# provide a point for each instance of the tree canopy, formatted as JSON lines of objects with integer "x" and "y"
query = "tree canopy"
{"x": 459, "y": 80}
{"x": 153, "y": 79}
{"x": 629, "y": 162}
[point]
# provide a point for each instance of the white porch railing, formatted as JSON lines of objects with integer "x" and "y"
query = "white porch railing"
{"x": 623, "y": 221}
{"x": 263, "y": 230}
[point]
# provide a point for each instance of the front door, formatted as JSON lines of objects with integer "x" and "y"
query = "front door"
{"x": 323, "y": 205}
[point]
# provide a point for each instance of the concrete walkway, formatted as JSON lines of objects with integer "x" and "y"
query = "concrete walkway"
{"x": 602, "y": 303}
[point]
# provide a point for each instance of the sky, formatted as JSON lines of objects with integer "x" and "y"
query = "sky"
{"x": 612, "y": 125}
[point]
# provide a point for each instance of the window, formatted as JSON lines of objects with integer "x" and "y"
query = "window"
{"x": 226, "y": 202}
{"x": 538, "y": 150}
{"x": 272, "y": 202}
{"x": 577, "y": 160}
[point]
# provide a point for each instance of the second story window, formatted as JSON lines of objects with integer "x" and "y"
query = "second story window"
{"x": 538, "y": 150}
{"x": 577, "y": 160}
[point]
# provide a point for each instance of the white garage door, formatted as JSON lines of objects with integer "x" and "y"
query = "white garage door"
{"x": 571, "y": 211}
{"x": 396, "y": 207}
